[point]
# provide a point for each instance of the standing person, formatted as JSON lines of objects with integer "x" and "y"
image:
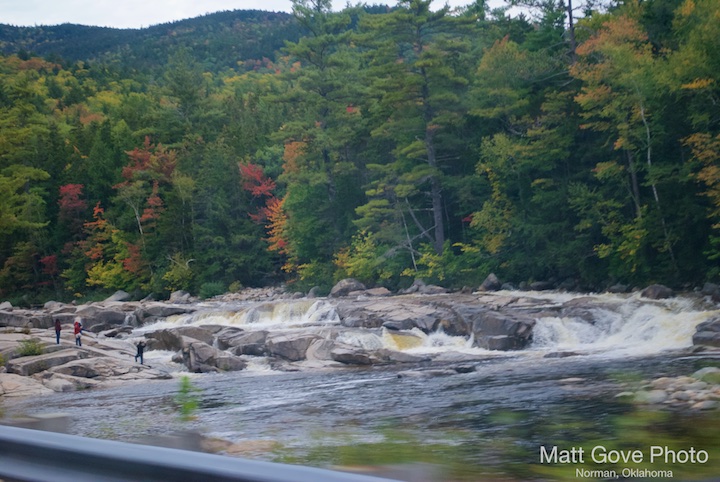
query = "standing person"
{"x": 58, "y": 329}
{"x": 78, "y": 330}
{"x": 140, "y": 350}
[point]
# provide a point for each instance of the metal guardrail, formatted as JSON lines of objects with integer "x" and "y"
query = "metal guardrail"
{"x": 28, "y": 455}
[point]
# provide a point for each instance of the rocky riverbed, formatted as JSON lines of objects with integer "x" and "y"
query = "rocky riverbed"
{"x": 352, "y": 327}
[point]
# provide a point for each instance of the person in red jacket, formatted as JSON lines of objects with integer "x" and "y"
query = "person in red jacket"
{"x": 78, "y": 331}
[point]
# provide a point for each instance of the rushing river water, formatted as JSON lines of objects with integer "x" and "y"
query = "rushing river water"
{"x": 487, "y": 424}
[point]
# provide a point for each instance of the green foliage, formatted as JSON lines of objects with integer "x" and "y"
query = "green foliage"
{"x": 365, "y": 260}
{"x": 30, "y": 347}
{"x": 458, "y": 265}
{"x": 211, "y": 288}
{"x": 187, "y": 399}
{"x": 179, "y": 275}
{"x": 391, "y": 144}
{"x": 235, "y": 287}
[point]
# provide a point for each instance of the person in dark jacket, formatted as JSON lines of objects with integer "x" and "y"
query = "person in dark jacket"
{"x": 58, "y": 329}
{"x": 140, "y": 350}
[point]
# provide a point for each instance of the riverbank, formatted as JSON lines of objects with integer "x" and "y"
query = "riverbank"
{"x": 426, "y": 332}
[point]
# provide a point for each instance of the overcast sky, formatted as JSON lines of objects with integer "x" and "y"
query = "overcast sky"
{"x": 142, "y": 13}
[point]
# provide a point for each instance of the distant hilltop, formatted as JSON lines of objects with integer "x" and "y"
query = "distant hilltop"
{"x": 218, "y": 40}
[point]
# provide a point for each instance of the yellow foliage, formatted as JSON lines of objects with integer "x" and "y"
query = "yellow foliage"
{"x": 698, "y": 84}
{"x": 687, "y": 8}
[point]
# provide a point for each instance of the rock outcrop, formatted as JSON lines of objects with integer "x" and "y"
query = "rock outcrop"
{"x": 355, "y": 327}
{"x": 708, "y": 333}
{"x": 65, "y": 366}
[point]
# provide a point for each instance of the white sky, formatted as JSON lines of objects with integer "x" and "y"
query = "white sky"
{"x": 144, "y": 13}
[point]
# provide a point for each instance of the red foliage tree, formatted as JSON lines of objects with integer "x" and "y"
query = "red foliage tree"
{"x": 259, "y": 186}
{"x": 155, "y": 160}
{"x": 254, "y": 180}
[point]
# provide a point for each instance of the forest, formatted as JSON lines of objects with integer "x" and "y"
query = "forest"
{"x": 574, "y": 145}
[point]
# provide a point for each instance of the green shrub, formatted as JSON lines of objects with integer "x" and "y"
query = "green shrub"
{"x": 235, "y": 287}
{"x": 187, "y": 399}
{"x": 211, "y": 288}
{"x": 30, "y": 347}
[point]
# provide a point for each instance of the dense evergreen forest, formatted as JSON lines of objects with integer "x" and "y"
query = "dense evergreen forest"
{"x": 384, "y": 144}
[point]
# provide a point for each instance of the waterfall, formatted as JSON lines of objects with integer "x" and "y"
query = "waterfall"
{"x": 620, "y": 326}
{"x": 264, "y": 315}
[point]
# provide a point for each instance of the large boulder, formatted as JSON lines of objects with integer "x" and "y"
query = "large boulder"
{"x": 200, "y": 357}
{"x": 497, "y": 329}
{"x": 345, "y": 287}
{"x": 541, "y": 285}
{"x": 353, "y": 315}
{"x": 177, "y": 338}
{"x": 491, "y": 283}
{"x": 320, "y": 350}
{"x": 165, "y": 340}
{"x": 413, "y": 288}
{"x": 25, "y": 319}
{"x": 380, "y": 291}
{"x": 707, "y": 333}
{"x": 11, "y": 318}
{"x": 432, "y": 290}
{"x": 106, "y": 319}
{"x": 252, "y": 343}
{"x": 290, "y": 346}
{"x": 205, "y": 334}
{"x": 180, "y": 297}
{"x": 119, "y": 295}
{"x": 657, "y": 292}
{"x": 708, "y": 289}
{"x": 226, "y": 337}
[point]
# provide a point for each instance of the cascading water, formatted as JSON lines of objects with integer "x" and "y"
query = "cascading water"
{"x": 258, "y": 316}
{"x": 622, "y": 326}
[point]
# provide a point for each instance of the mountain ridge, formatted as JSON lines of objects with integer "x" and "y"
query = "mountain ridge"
{"x": 217, "y": 40}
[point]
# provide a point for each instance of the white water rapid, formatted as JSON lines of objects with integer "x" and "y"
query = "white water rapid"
{"x": 605, "y": 324}
{"x": 621, "y": 325}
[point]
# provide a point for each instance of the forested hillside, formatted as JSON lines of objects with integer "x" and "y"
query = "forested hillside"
{"x": 379, "y": 144}
{"x": 216, "y": 41}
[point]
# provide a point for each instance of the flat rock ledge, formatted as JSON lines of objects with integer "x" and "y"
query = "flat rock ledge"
{"x": 65, "y": 367}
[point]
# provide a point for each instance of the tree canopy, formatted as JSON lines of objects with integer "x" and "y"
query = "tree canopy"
{"x": 382, "y": 143}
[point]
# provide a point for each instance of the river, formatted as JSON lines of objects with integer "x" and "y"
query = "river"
{"x": 419, "y": 425}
